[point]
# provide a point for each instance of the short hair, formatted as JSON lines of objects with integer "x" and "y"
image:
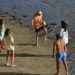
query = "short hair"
{"x": 58, "y": 36}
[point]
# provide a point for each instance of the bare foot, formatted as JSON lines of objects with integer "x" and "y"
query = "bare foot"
{"x": 8, "y": 64}
{"x": 57, "y": 74}
{"x": 37, "y": 45}
{"x": 45, "y": 38}
{"x": 13, "y": 65}
{"x": 67, "y": 74}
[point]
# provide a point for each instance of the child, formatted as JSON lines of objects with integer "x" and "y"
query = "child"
{"x": 60, "y": 48}
{"x": 9, "y": 45}
{"x": 2, "y": 31}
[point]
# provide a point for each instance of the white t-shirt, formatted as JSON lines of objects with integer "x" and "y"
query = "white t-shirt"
{"x": 64, "y": 35}
{"x": 8, "y": 40}
{"x": 2, "y": 31}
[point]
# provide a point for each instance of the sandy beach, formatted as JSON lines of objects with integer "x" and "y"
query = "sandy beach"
{"x": 29, "y": 59}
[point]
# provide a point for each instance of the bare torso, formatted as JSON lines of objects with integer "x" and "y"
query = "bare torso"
{"x": 37, "y": 21}
{"x": 60, "y": 46}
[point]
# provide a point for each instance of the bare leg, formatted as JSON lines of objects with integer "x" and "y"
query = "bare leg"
{"x": 66, "y": 67}
{"x": 46, "y": 33}
{"x": 0, "y": 45}
{"x": 57, "y": 67}
{"x": 37, "y": 39}
{"x": 7, "y": 59}
{"x": 12, "y": 58}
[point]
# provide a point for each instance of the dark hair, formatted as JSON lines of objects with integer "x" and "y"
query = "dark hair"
{"x": 58, "y": 36}
{"x": 7, "y": 31}
{"x": 1, "y": 21}
{"x": 64, "y": 25}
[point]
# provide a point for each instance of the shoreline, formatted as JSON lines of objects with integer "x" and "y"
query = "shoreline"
{"x": 71, "y": 58}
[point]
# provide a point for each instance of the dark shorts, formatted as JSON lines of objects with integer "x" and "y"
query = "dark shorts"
{"x": 61, "y": 56}
{"x": 41, "y": 28}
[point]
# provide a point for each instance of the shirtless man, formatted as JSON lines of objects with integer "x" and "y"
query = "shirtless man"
{"x": 37, "y": 25}
{"x": 60, "y": 48}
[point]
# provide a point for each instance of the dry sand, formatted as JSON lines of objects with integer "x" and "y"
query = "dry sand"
{"x": 29, "y": 59}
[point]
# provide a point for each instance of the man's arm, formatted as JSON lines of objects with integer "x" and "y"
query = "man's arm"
{"x": 33, "y": 23}
{"x": 54, "y": 49}
{"x": 41, "y": 20}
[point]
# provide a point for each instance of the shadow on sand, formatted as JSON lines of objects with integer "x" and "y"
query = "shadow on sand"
{"x": 26, "y": 44}
{"x": 12, "y": 73}
{"x": 28, "y": 55}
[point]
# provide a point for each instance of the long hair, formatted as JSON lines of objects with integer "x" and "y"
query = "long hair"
{"x": 64, "y": 25}
{"x": 1, "y": 23}
{"x": 7, "y": 32}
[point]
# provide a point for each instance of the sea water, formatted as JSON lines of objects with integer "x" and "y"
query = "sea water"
{"x": 54, "y": 11}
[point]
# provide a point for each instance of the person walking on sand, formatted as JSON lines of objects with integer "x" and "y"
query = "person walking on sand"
{"x": 64, "y": 32}
{"x": 37, "y": 24}
{"x": 60, "y": 48}
{"x": 9, "y": 46}
{"x": 2, "y": 31}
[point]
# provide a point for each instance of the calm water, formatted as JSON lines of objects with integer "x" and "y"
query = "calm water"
{"x": 54, "y": 11}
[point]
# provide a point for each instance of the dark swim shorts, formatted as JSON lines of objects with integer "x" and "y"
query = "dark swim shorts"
{"x": 41, "y": 28}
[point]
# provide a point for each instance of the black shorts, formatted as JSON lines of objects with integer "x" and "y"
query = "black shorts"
{"x": 41, "y": 28}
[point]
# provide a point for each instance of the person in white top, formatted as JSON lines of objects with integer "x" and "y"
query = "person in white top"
{"x": 9, "y": 46}
{"x": 2, "y": 31}
{"x": 64, "y": 32}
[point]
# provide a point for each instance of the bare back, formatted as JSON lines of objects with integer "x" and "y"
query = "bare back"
{"x": 60, "y": 46}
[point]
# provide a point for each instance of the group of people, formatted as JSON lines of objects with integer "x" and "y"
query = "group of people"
{"x": 61, "y": 41}
{"x": 7, "y": 42}
{"x": 38, "y": 24}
